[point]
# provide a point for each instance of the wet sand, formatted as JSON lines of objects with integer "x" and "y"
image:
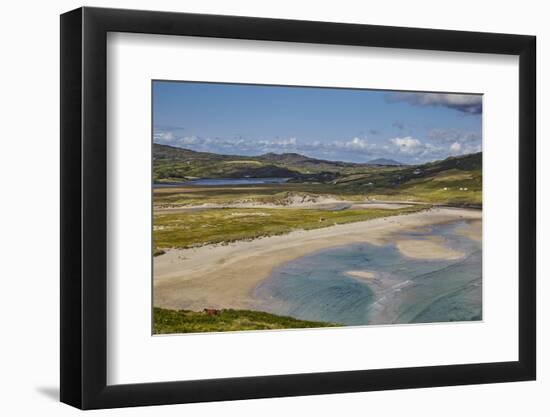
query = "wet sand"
{"x": 432, "y": 247}
{"x": 471, "y": 230}
{"x": 225, "y": 276}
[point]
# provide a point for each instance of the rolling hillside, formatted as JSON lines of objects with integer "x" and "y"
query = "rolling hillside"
{"x": 176, "y": 164}
{"x": 455, "y": 180}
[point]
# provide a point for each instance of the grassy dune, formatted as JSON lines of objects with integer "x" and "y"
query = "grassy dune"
{"x": 185, "y": 321}
{"x": 265, "y": 194}
{"x": 183, "y": 230}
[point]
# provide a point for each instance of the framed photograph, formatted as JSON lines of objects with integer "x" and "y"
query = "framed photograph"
{"x": 258, "y": 208}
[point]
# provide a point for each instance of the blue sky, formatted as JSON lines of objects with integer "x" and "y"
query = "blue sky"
{"x": 327, "y": 123}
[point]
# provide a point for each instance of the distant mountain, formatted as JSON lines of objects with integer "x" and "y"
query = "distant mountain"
{"x": 385, "y": 162}
{"x": 171, "y": 164}
{"x": 176, "y": 164}
{"x": 296, "y": 158}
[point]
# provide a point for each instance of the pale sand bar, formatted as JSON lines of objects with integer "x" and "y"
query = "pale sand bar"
{"x": 430, "y": 247}
{"x": 363, "y": 275}
{"x": 224, "y": 276}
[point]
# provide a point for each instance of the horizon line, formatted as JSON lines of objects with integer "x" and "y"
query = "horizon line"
{"x": 319, "y": 159}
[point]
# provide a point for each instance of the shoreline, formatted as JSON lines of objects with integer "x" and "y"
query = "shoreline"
{"x": 225, "y": 276}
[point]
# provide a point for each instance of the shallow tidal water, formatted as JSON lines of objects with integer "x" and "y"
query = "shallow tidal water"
{"x": 400, "y": 289}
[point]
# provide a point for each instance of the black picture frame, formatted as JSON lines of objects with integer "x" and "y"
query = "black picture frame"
{"x": 84, "y": 207}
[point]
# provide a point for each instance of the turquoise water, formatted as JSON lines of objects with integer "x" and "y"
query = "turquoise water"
{"x": 403, "y": 290}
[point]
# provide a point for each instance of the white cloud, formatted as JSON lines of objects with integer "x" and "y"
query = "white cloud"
{"x": 359, "y": 149}
{"x": 413, "y": 149}
{"x": 408, "y": 145}
{"x": 285, "y": 143}
{"x": 455, "y": 147}
{"x": 355, "y": 144}
{"x": 164, "y": 136}
{"x": 466, "y": 103}
{"x": 232, "y": 145}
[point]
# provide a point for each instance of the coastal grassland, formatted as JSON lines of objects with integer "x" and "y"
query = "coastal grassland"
{"x": 261, "y": 194}
{"x": 454, "y": 181}
{"x": 459, "y": 187}
{"x": 451, "y": 187}
{"x": 197, "y": 228}
{"x": 186, "y": 321}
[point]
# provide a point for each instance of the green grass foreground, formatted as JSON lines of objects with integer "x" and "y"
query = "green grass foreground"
{"x": 184, "y": 230}
{"x": 186, "y": 321}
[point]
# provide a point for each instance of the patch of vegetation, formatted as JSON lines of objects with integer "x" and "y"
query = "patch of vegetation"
{"x": 158, "y": 252}
{"x": 186, "y": 321}
{"x": 197, "y": 228}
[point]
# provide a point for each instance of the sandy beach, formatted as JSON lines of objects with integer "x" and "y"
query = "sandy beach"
{"x": 224, "y": 276}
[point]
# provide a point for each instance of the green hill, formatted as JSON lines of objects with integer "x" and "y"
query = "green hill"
{"x": 455, "y": 180}
{"x": 177, "y": 164}
{"x": 385, "y": 162}
{"x": 173, "y": 164}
